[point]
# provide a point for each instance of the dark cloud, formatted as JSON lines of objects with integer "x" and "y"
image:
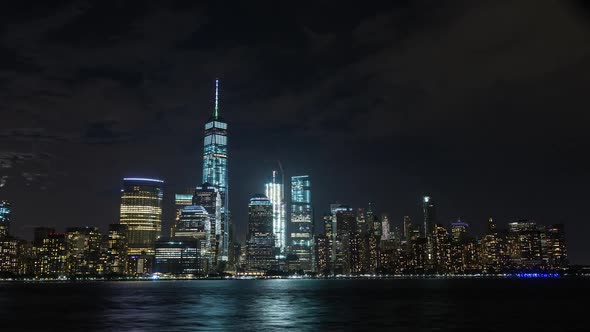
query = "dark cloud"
{"x": 105, "y": 132}
{"x": 101, "y": 24}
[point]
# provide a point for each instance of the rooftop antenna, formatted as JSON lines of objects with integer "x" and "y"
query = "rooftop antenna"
{"x": 216, "y": 98}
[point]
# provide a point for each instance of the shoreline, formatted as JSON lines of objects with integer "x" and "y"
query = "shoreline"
{"x": 241, "y": 278}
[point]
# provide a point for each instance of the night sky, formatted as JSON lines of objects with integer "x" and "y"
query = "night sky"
{"x": 482, "y": 104}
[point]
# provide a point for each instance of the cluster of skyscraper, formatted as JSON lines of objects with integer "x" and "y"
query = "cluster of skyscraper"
{"x": 358, "y": 242}
{"x": 202, "y": 242}
{"x": 269, "y": 244}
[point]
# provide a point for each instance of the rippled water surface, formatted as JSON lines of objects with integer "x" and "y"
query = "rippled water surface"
{"x": 298, "y": 305}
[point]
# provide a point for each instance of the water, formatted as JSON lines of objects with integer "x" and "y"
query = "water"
{"x": 298, "y": 305}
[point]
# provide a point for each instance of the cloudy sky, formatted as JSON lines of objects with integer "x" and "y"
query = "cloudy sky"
{"x": 482, "y": 104}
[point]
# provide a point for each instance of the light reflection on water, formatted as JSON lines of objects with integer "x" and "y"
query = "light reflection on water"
{"x": 308, "y": 305}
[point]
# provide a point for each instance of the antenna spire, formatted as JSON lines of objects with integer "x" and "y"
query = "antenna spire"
{"x": 216, "y": 115}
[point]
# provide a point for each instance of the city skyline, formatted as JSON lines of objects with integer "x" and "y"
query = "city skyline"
{"x": 395, "y": 101}
{"x": 204, "y": 243}
{"x": 141, "y": 208}
{"x": 308, "y": 165}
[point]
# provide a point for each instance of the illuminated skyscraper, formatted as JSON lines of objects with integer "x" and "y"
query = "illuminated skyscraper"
{"x": 374, "y": 221}
{"x": 441, "y": 252}
{"x": 275, "y": 192}
{"x": 407, "y": 227}
{"x": 347, "y": 253}
{"x": 9, "y": 255}
{"x": 385, "y": 228}
{"x": 368, "y": 244}
{"x": 141, "y": 211}
{"x": 302, "y": 221}
{"x": 83, "y": 251}
{"x": 116, "y": 249}
{"x": 491, "y": 251}
{"x": 260, "y": 248}
{"x": 215, "y": 168}
{"x": 195, "y": 223}
{"x": 178, "y": 256}
{"x": 459, "y": 230}
{"x": 180, "y": 202}
{"x": 52, "y": 257}
{"x": 429, "y": 213}
{"x": 556, "y": 249}
{"x": 5, "y": 213}
{"x": 463, "y": 245}
{"x": 207, "y": 196}
{"x": 526, "y": 242}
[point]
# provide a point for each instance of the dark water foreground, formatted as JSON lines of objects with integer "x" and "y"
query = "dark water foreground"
{"x": 298, "y": 305}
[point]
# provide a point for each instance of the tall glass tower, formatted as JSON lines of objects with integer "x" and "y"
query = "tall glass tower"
{"x": 260, "y": 249}
{"x": 302, "y": 221}
{"x": 429, "y": 212}
{"x": 5, "y": 212}
{"x": 215, "y": 168}
{"x": 141, "y": 211}
{"x": 207, "y": 196}
{"x": 275, "y": 192}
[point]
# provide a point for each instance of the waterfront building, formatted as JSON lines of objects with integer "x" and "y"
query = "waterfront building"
{"x": 195, "y": 223}
{"x": 459, "y": 230}
{"x": 322, "y": 254}
{"x": 5, "y": 214}
{"x": 141, "y": 212}
{"x": 260, "y": 246}
{"x": 52, "y": 257}
{"x": 180, "y": 202}
{"x": 178, "y": 256}
{"x": 374, "y": 221}
{"x": 385, "y": 228}
{"x": 440, "y": 249}
{"x": 346, "y": 249}
{"x": 302, "y": 225}
{"x": 275, "y": 192}
{"x": 389, "y": 254}
{"x": 556, "y": 248}
{"x": 369, "y": 241}
{"x": 9, "y": 256}
{"x": 407, "y": 227}
{"x": 458, "y": 245}
{"x": 490, "y": 258}
{"x": 215, "y": 171}
{"x": 207, "y": 196}
{"x": 417, "y": 254}
{"x": 526, "y": 244}
{"x": 117, "y": 249}
{"x": 140, "y": 265}
{"x": 83, "y": 246}
{"x": 429, "y": 214}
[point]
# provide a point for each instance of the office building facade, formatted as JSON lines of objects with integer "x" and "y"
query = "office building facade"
{"x": 275, "y": 192}
{"x": 302, "y": 224}
{"x": 207, "y": 196}
{"x": 178, "y": 256}
{"x": 5, "y": 214}
{"x": 215, "y": 171}
{"x": 261, "y": 251}
{"x": 141, "y": 212}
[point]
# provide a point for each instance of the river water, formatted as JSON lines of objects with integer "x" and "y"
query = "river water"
{"x": 298, "y": 305}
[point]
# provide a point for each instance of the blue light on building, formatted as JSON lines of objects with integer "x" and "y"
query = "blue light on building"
{"x": 302, "y": 221}
{"x": 215, "y": 168}
{"x": 5, "y": 213}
